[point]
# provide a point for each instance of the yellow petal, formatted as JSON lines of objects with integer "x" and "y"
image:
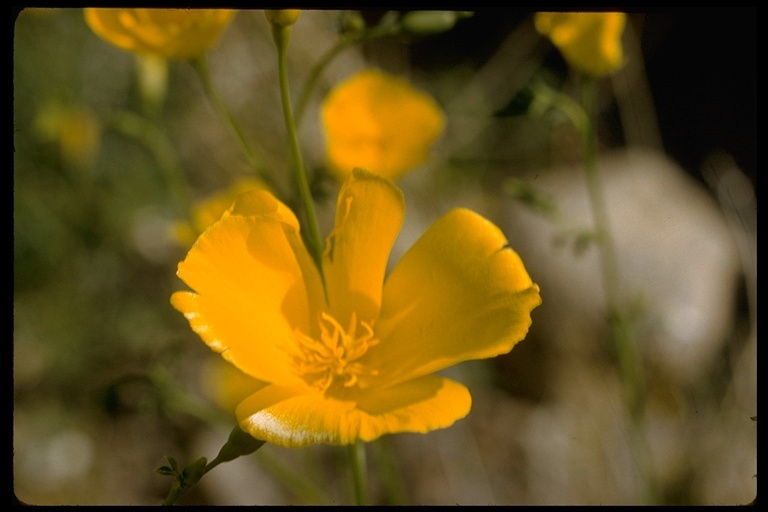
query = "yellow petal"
{"x": 589, "y": 41}
{"x": 225, "y": 385}
{"x": 206, "y": 212}
{"x": 459, "y": 293}
{"x": 381, "y": 123}
{"x": 254, "y": 285}
{"x": 169, "y": 33}
{"x": 288, "y": 417}
{"x": 369, "y": 214}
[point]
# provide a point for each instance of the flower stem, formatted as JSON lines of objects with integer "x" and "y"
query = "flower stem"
{"x": 281, "y": 35}
{"x": 357, "y": 458}
{"x": 159, "y": 145}
{"x": 255, "y": 162}
{"x": 622, "y": 336}
{"x": 314, "y": 76}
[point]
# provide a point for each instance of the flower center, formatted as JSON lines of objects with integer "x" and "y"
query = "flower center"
{"x": 331, "y": 360}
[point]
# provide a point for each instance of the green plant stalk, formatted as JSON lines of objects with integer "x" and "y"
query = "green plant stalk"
{"x": 255, "y": 162}
{"x": 281, "y": 36}
{"x": 630, "y": 365}
{"x": 314, "y": 76}
{"x": 357, "y": 459}
{"x": 159, "y": 145}
{"x": 388, "y": 27}
{"x": 392, "y": 481}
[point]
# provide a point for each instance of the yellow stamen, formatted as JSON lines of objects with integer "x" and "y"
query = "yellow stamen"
{"x": 331, "y": 360}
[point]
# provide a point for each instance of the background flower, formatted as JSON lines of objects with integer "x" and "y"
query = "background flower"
{"x": 589, "y": 41}
{"x": 170, "y": 33}
{"x": 209, "y": 210}
{"x": 379, "y": 122}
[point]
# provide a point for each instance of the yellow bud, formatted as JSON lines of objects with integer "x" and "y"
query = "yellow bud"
{"x": 282, "y": 17}
{"x": 589, "y": 41}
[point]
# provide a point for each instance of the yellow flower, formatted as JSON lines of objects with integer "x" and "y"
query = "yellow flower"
{"x": 356, "y": 359}
{"x": 379, "y": 122}
{"x": 169, "y": 33}
{"x": 76, "y": 129}
{"x": 589, "y": 41}
{"x": 205, "y": 213}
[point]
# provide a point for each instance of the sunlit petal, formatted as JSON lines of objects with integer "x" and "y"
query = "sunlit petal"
{"x": 251, "y": 287}
{"x": 459, "y": 293}
{"x": 292, "y": 418}
{"x": 369, "y": 214}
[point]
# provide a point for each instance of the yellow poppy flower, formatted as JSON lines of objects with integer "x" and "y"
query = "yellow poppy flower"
{"x": 589, "y": 41}
{"x": 169, "y": 33}
{"x": 206, "y": 212}
{"x": 379, "y": 122}
{"x": 356, "y": 359}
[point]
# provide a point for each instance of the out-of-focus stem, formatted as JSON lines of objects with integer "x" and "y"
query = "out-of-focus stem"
{"x": 622, "y": 337}
{"x": 357, "y": 458}
{"x": 253, "y": 157}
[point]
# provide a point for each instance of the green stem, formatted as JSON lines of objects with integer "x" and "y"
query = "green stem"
{"x": 281, "y": 36}
{"x": 160, "y": 146}
{"x": 630, "y": 365}
{"x": 200, "y": 65}
{"x": 314, "y": 76}
{"x": 357, "y": 459}
{"x": 392, "y": 481}
{"x": 387, "y": 27}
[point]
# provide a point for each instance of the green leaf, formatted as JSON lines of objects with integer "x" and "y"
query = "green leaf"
{"x": 165, "y": 470}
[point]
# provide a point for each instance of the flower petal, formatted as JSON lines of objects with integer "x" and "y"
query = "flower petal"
{"x": 369, "y": 214}
{"x": 380, "y": 122}
{"x": 169, "y": 33}
{"x": 589, "y": 41}
{"x": 255, "y": 283}
{"x": 290, "y": 418}
{"x": 459, "y": 293}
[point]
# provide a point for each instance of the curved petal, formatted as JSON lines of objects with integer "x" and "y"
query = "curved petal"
{"x": 369, "y": 214}
{"x": 459, "y": 293}
{"x": 287, "y": 417}
{"x": 170, "y": 33}
{"x": 254, "y": 285}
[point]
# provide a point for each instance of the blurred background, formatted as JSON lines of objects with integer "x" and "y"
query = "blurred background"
{"x": 108, "y": 379}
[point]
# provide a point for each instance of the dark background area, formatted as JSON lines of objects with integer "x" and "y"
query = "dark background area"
{"x": 700, "y": 64}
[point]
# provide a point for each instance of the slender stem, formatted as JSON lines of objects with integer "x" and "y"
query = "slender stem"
{"x": 314, "y": 76}
{"x": 357, "y": 459}
{"x": 630, "y": 365}
{"x": 157, "y": 142}
{"x": 281, "y": 35}
{"x": 252, "y": 155}
{"x": 387, "y": 27}
{"x": 392, "y": 479}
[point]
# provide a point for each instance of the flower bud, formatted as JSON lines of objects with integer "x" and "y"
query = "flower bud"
{"x": 282, "y": 17}
{"x": 431, "y": 22}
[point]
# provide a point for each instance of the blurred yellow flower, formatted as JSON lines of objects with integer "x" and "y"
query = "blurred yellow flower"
{"x": 75, "y": 128}
{"x": 356, "y": 359}
{"x": 589, "y": 41}
{"x": 168, "y": 33}
{"x": 379, "y": 122}
{"x": 208, "y": 211}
